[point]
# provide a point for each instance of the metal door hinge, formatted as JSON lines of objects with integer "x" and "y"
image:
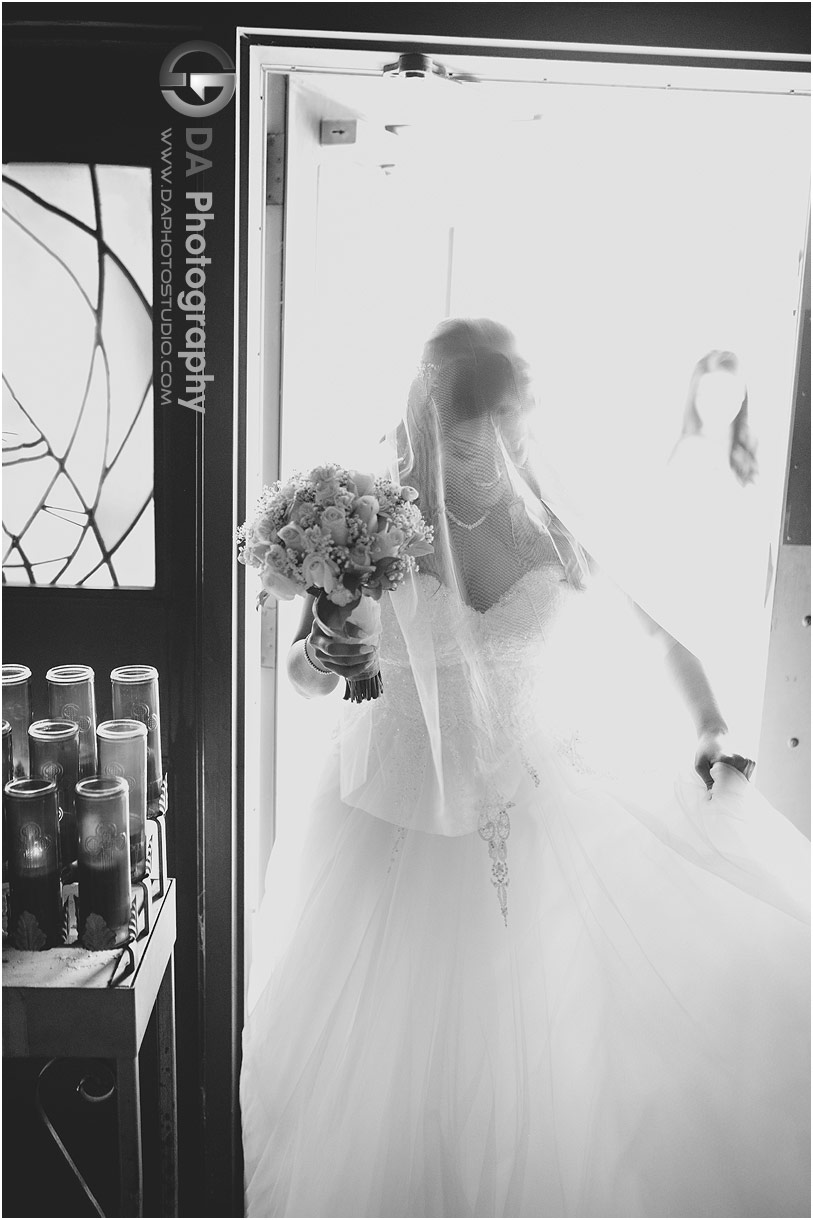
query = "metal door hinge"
{"x": 275, "y": 169}
{"x": 268, "y": 636}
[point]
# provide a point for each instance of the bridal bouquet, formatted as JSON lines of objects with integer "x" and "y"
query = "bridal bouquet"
{"x": 344, "y": 537}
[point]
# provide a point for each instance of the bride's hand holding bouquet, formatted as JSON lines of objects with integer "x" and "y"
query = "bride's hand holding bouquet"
{"x": 344, "y": 537}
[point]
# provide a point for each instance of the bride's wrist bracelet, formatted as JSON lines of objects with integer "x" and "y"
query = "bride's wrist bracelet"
{"x": 309, "y": 678}
{"x": 319, "y": 669}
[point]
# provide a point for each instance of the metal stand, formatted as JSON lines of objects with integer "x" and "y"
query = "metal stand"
{"x": 71, "y": 1003}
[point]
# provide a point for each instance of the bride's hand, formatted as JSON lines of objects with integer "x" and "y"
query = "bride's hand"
{"x": 341, "y": 656}
{"x": 712, "y": 747}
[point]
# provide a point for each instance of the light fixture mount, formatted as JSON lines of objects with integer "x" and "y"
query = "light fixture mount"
{"x": 415, "y": 64}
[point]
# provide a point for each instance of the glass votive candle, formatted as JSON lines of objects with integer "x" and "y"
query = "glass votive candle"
{"x": 17, "y": 711}
{"x": 8, "y": 754}
{"x": 104, "y": 862}
{"x": 8, "y": 775}
{"x": 35, "y": 892}
{"x": 135, "y": 697}
{"x": 123, "y": 754}
{"x": 54, "y": 747}
{"x": 71, "y": 696}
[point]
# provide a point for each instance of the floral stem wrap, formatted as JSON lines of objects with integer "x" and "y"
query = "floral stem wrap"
{"x": 360, "y": 623}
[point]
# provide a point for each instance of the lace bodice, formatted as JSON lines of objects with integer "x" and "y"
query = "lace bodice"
{"x": 513, "y": 629}
{"x": 494, "y": 691}
{"x": 511, "y": 642}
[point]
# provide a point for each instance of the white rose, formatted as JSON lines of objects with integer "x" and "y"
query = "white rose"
{"x": 319, "y": 571}
{"x": 255, "y": 553}
{"x": 363, "y": 483}
{"x": 334, "y": 521}
{"x": 360, "y": 557}
{"x": 292, "y": 536}
{"x": 320, "y": 474}
{"x": 303, "y": 514}
{"x": 263, "y": 529}
{"x": 367, "y": 509}
{"x": 279, "y": 586}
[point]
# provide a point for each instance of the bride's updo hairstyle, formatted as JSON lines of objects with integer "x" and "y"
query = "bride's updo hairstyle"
{"x": 464, "y": 443}
{"x": 475, "y": 374}
{"x": 470, "y": 373}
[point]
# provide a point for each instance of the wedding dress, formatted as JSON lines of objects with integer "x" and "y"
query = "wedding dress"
{"x": 514, "y": 981}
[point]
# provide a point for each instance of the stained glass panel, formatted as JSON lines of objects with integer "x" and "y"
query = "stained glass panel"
{"x": 78, "y": 468}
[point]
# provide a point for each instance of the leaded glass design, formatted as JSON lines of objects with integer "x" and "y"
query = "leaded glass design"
{"x": 78, "y": 468}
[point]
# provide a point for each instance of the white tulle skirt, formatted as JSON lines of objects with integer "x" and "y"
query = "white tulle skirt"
{"x": 633, "y": 1043}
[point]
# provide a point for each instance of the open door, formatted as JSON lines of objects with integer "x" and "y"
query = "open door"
{"x": 624, "y": 219}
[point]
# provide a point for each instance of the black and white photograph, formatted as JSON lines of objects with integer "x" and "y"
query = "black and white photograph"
{"x": 406, "y": 610}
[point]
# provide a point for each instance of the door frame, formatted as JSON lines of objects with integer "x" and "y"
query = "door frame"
{"x": 268, "y": 56}
{"x": 264, "y": 54}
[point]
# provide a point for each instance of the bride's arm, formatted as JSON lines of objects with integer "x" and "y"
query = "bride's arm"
{"x": 692, "y": 682}
{"x": 712, "y": 730}
{"x": 317, "y": 661}
{"x": 308, "y": 677}
{"x": 693, "y": 685}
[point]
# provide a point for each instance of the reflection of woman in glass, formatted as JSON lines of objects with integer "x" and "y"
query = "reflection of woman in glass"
{"x": 714, "y": 537}
{"x": 506, "y": 986}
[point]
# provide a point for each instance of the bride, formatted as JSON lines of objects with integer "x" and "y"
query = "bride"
{"x": 515, "y": 981}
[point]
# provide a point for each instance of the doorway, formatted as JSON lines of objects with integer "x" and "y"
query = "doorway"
{"x": 624, "y": 219}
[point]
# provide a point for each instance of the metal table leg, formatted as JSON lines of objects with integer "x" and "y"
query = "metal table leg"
{"x": 130, "y": 1159}
{"x": 167, "y": 1092}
